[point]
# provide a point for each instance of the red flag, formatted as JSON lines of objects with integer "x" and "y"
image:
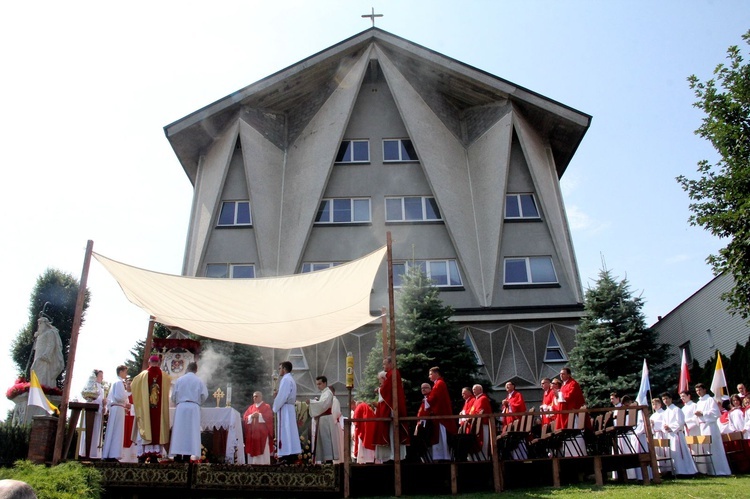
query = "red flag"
{"x": 684, "y": 383}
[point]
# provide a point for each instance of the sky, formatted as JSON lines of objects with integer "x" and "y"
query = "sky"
{"x": 88, "y": 86}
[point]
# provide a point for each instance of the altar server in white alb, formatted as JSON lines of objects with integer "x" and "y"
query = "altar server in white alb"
{"x": 287, "y": 435}
{"x": 673, "y": 428}
{"x": 708, "y": 413}
{"x": 325, "y": 431}
{"x": 188, "y": 393}
{"x": 118, "y": 406}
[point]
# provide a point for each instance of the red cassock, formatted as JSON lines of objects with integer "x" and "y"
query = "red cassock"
{"x": 363, "y": 430}
{"x": 481, "y": 406}
{"x": 384, "y": 408}
{"x": 127, "y": 438}
{"x": 548, "y": 399}
{"x": 515, "y": 404}
{"x": 468, "y": 403}
{"x": 440, "y": 405}
{"x": 258, "y": 434}
{"x": 573, "y": 396}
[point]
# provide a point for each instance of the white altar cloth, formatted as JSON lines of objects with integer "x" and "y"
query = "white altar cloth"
{"x": 226, "y": 418}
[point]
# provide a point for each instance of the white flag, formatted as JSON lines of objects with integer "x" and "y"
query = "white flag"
{"x": 642, "y": 398}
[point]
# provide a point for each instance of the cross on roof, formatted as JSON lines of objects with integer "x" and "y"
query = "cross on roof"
{"x": 372, "y": 16}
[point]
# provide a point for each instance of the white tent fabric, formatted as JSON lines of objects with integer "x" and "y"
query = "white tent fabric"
{"x": 278, "y": 312}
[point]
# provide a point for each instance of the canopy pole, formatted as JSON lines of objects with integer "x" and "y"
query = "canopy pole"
{"x": 61, "y": 420}
{"x": 396, "y": 436}
{"x": 149, "y": 343}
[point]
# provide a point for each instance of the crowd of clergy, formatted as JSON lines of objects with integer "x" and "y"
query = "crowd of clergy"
{"x": 139, "y": 428}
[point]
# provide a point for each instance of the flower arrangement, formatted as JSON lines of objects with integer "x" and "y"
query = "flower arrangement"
{"x": 203, "y": 458}
{"x": 149, "y": 457}
{"x": 22, "y": 386}
{"x": 306, "y": 456}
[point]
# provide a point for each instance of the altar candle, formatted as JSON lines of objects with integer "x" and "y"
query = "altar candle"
{"x": 229, "y": 394}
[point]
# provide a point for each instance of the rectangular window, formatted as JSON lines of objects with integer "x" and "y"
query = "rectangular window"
{"x": 398, "y": 150}
{"x": 530, "y": 270}
{"x": 354, "y": 151}
{"x": 520, "y": 206}
{"x": 314, "y": 266}
{"x": 411, "y": 209}
{"x": 235, "y": 213}
{"x": 443, "y": 273}
{"x": 343, "y": 210}
{"x": 232, "y": 270}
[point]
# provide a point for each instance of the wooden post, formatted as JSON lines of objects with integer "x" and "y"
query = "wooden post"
{"x": 81, "y": 298}
{"x": 149, "y": 343}
{"x": 651, "y": 451}
{"x": 497, "y": 471}
{"x": 396, "y": 436}
{"x": 384, "y": 330}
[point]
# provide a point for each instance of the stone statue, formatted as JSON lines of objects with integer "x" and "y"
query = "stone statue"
{"x": 48, "y": 357}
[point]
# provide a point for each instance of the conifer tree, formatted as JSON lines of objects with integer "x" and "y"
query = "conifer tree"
{"x": 425, "y": 337}
{"x": 60, "y": 291}
{"x": 612, "y": 342}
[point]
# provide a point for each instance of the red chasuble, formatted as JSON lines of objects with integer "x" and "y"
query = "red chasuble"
{"x": 257, "y": 434}
{"x": 440, "y": 405}
{"x": 383, "y": 410}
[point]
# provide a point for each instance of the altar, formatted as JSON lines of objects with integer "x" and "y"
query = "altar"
{"x": 228, "y": 420}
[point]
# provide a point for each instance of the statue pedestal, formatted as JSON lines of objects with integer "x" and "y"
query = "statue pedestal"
{"x": 42, "y": 443}
{"x": 24, "y": 413}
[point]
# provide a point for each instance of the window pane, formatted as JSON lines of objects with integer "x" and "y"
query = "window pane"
{"x": 243, "y": 271}
{"x": 455, "y": 278}
{"x": 398, "y": 274}
{"x": 511, "y": 207}
{"x": 393, "y": 209}
{"x": 306, "y": 267}
{"x": 324, "y": 212}
{"x": 361, "y": 210}
{"x": 433, "y": 213}
{"x": 320, "y": 266}
{"x": 216, "y": 270}
{"x": 422, "y": 265}
{"x": 390, "y": 150}
{"x": 227, "y": 213}
{"x": 553, "y": 354}
{"x": 408, "y": 153}
{"x": 243, "y": 212}
{"x": 515, "y": 271}
{"x": 342, "y": 210}
{"x": 345, "y": 152}
{"x": 542, "y": 270}
{"x": 439, "y": 273}
{"x": 413, "y": 209}
{"x": 528, "y": 206}
{"x": 361, "y": 151}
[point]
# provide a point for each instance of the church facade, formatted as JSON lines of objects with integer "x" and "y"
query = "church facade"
{"x": 315, "y": 164}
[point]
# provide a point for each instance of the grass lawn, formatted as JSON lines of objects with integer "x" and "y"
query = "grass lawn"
{"x": 688, "y": 488}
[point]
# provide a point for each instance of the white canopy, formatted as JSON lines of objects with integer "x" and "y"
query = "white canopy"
{"x": 279, "y": 312}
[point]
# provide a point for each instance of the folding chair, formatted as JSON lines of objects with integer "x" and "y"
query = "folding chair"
{"x": 623, "y": 428}
{"x": 663, "y": 451}
{"x": 569, "y": 435}
{"x": 700, "y": 449}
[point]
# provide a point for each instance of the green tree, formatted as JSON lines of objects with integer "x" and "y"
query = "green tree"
{"x": 721, "y": 196}
{"x": 612, "y": 342}
{"x": 60, "y": 291}
{"x": 425, "y": 337}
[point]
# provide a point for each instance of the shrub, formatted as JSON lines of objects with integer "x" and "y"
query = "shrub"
{"x": 14, "y": 442}
{"x": 66, "y": 481}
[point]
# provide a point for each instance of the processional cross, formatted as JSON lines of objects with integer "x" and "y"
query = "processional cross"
{"x": 372, "y": 16}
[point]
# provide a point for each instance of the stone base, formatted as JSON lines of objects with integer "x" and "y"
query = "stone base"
{"x": 23, "y": 413}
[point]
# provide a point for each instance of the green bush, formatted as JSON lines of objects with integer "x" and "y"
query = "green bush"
{"x": 14, "y": 442}
{"x": 66, "y": 481}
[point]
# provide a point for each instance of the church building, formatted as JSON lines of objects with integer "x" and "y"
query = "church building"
{"x": 313, "y": 165}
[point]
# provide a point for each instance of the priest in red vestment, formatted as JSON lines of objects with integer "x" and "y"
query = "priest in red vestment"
{"x": 438, "y": 401}
{"x": 513, "y": 402}
{"x": 482, "y": 406}
{"x": 150, "y": 390}
{"x": 570, "y": 397}
{"x": 548, "y": 400}
{"x": 257, "y": 425}
{"x": 364, "y": 443}
{"x": 383, "y": 430}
